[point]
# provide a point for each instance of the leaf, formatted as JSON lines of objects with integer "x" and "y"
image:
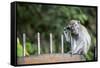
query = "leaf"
{"x": 20, "y": 49}
{"x": 29, "y": 47}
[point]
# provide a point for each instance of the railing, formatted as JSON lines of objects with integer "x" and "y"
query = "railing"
{"x": 39, "y": 44}
{"x": 47, "y": 58}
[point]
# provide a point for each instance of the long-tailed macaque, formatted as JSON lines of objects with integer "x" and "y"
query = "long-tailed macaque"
{"x": 78, "y": 36}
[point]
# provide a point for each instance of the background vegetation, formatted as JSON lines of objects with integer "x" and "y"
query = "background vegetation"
{"x": 33, "y": 18}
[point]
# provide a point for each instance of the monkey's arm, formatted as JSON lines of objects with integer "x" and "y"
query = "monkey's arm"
{"x": 67, "y": 36}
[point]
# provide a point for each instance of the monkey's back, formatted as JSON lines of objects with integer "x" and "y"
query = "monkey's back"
{"x": 84, "y": 39}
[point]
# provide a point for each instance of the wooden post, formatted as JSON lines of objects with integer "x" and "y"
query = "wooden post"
{"x": 62, "y": 44}
{"x": 38, "y": 37}
{"x": 51, "y": 43}
{"x": 24, "y": 43}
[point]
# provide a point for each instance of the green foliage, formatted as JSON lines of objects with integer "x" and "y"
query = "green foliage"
{"x": 31, "y": 48}
{"x": 20, "y": 49}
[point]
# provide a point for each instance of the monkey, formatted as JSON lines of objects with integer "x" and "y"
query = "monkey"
{"x": 78, "y": 36}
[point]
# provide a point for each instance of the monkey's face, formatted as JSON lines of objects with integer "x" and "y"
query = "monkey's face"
{"x": 73, "y": 27}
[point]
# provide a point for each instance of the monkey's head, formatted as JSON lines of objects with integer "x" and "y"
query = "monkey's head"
{"x": 73, "y": 27}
